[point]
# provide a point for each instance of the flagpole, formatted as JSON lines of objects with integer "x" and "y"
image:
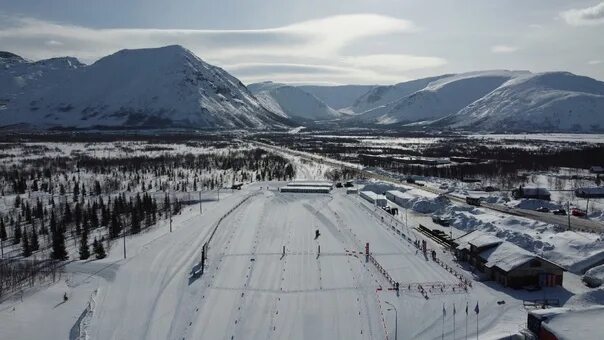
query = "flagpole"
{"x": 443, "y": 327}
{"x": 477, "y": 311}
{"x": 466, "y": 320}
{"x": 454, "y": 311}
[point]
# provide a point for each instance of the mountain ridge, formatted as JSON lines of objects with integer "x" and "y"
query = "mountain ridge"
{"x": 155, "y": 87}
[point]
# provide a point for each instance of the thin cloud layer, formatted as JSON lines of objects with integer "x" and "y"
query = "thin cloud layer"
{"x": 585, "y": 16}
{"x": 504, "y": 49}
{"x": 302, "y": 51}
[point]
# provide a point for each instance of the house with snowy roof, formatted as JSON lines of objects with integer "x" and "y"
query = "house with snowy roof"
{"x": 507, "y": 263}
{"x": 566, "y": 323}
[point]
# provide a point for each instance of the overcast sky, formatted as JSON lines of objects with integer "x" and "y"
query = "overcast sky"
{"x": 321, "y": 41}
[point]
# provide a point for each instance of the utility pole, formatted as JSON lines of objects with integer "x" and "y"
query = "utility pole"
{"x": 200, "y": 209}
{"x": 568, "y": 213}
{"x": 170, "y": 210}
{"x": 124, "y": 238}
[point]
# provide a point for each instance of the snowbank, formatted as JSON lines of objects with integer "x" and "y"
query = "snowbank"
{"x": 595, "y": 276}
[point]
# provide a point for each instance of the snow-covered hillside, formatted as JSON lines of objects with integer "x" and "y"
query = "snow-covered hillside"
{"x": 156, "y": 87}
{"x": 292, "y": 102}
{"x": 340, "y": 96}
{"x": 556, "y": 101}
{"x": 383, "y": 95}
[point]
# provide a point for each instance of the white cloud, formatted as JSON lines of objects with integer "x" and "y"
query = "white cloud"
{"x": 293, "y": 50}
{"x": 585, "y": 16}
{"x": 53, "y": 43}
{"x": 504, "y": 49}
{"x": 595, "y": 62}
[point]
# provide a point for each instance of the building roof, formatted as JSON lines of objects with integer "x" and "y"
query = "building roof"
{"x": 478, "y": 239}
{"x": 590, "y": 190}
{"x": 506, "y": 256}
{"x": 503, "y": 255}
{"x": 567, "y": 323}
{"x": 535, "y": 191}
{"x": 310, "y": 184}
{"x": 373, "y": 195}
{"x": 289, "y": 188}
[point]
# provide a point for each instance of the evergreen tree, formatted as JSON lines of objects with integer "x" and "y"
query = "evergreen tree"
{"x": 84, "y": 250}
{"x": 58, "y": 245}
{"x": 17, "y": 232}
{"x": 3, "y": 234}
{"x": 25, "y": 245}
{"x": 35, "y": 243}
{"x": 136, "y": 223}
{"x": 76, "y": 191}
{"x": 97, "y": 188}
{"x": 115, "y": 227}
{"x": 99, "y": 250}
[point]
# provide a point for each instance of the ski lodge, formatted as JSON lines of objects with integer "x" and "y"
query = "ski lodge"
{"x": 507, "y": 263}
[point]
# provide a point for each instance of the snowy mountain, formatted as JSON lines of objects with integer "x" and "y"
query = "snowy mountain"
{"x": 556, "y": 101}
{"x": 292, "y": 102}
{"x": 439, "y": 97}
{"x": 518, "y": 101}
{"x": 382, "y": 95}
{"x": 156, "y": 87}
{"x": 340, "y": 96}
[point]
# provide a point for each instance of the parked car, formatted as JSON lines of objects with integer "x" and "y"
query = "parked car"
{"x": 410, "y": 180}
{"x": 542, "y": 209}
{"x": 440, "y": 220}
{"x": 490, "y": 188}
{"x": 577, "y": 212}
{"x": 473, "y": 201}
{"x": 348, "y": 184}
{"x": 559, "y": 212}
{"x": 339, "y": 185}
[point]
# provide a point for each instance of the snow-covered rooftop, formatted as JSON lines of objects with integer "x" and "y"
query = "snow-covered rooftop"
{"x": 506, "y": 256}
{"x": 567, "y": 323}
{"x": 478, "y": 239}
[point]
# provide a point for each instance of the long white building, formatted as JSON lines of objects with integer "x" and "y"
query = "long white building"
{"x": 396, "y": 197}
{"x": 373, "y": 198}
{"x": 305, "y": 189}
{"x": 317, "y": 184}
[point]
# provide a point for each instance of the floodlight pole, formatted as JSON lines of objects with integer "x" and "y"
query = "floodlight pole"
{"x": 395, "y": 320}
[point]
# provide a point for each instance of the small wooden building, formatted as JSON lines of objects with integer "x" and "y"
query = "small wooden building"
{"x": 507, "y": 263}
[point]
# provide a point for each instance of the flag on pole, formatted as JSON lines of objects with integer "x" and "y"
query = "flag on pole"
{"x": 454, "y": 311}
{"x": 466, "y": 307}
{"x": 476, "y": 309}
{"x": 444, "y": 311}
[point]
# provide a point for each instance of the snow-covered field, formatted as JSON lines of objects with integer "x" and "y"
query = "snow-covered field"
{"x": 252, "y": 291}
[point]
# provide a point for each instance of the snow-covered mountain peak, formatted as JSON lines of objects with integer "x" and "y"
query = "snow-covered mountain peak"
{"x": 153, "y": 87}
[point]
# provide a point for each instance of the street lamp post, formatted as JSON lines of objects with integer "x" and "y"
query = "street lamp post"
{"x": 395, "y": 319}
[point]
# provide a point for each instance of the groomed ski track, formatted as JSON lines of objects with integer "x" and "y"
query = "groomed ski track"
{"x": 252, "y": 291}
